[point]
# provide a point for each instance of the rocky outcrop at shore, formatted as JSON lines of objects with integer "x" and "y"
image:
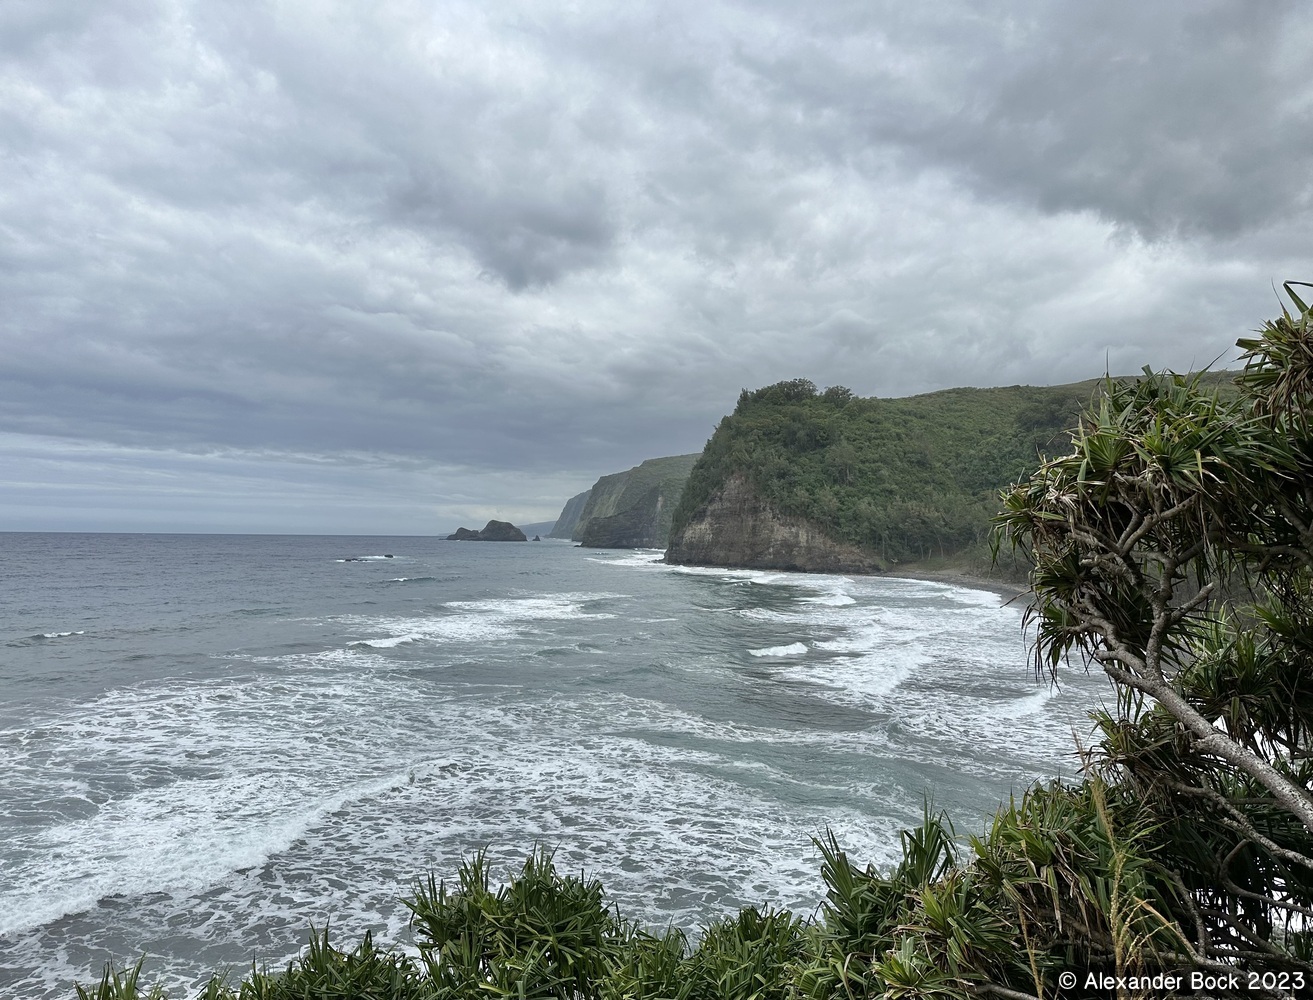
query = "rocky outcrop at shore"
{"x": 737, "y": 527}
{"x": 493, "y": 531}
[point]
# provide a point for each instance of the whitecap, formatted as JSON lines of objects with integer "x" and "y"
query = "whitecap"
{"x": 833, "y": 600}
{"x": 634, "y": 557}
{"x": 1026, "y": 705}
{"x": 386, "y": 643}
{"x": 792, "y": 649}
{"x": 863, "y": 681}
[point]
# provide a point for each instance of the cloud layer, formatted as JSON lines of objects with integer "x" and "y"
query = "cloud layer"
{"x": 350, "y": 254}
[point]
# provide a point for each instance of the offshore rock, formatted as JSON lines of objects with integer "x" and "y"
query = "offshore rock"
{"x": 736, "y": 527}
{"x": 493, "y": 531}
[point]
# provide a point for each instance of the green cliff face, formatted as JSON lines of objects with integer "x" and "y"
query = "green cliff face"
{"x": 565, "y": 524}
{"x": 827, "y": 481}
{"x": 631, "y": 509}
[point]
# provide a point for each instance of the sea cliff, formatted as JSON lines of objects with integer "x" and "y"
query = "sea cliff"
{"x": 739, "y": 527}
{"x": 630, "y": 509}
{"x": 569, "y": 517}
{"x": 800, "y": 479}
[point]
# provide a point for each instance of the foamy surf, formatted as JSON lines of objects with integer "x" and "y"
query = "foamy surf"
{"x": 792, "y": 649}
{"x": 861, "y": 681}
{"x": 390, "y": 642}
{"x": 833, "y": 600}
{"x": 204, "y": 784}
{"x": 497, "y": 620}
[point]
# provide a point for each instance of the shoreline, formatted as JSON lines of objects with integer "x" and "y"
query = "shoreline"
{"x": 1004, "y": 588}
{"x": 1011, "y": 590}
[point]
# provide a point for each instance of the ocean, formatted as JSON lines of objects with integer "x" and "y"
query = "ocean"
{"x": 213, "y": 742}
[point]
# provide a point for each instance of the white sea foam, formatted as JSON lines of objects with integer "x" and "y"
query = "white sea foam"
{"x": 860, "y": 681}
{"x": 262, "y": 788}
{"x": 240, "y": 804}
{"x": 633, "y": 558}
{"x": 1025, "y": 705}
{"x": 728, "y": 573}
{"x": 294, "y": 784}
{"x": 389, "y": 642}
{"x": 181, "y": 839}
{"x": 59, "y": 635}
{"x": 478, "y": 621}
{"x": 767, "y": 615}
{"x": 792, "y": 649}
{"x": 834, "y": 600}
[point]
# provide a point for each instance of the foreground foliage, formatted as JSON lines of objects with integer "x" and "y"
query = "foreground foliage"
{"x": 1173, "y": 549}
{"x": 1054, "y": 883}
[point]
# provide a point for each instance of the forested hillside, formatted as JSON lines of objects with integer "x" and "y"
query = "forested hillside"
{"x": 905, "y": 478}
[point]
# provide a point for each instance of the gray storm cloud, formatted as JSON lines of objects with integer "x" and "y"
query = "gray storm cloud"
{"x": 483, "y": 255}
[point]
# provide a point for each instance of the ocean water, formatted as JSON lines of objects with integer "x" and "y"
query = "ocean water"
{"x": 211, "y": 742}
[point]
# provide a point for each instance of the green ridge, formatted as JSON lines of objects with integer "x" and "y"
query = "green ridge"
{"x": 908, "y": 478}
{"x": 632, "y": 509}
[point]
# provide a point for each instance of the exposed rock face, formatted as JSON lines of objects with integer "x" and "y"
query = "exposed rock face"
{"x": 736, "y": 527}
{"x": 493, "y": 531}
{"x": 644, "y": 524}
{"x": 632, "y": 509}
{"x": 565, "y": 524}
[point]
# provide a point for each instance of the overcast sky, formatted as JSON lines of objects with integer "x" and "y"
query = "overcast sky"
{"x": 396, "y": 266}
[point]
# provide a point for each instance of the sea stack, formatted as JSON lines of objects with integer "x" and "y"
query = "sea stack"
{"x": 493, "y": 531}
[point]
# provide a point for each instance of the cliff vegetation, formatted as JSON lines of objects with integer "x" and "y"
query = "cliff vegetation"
{"x": 569, "y": 516}
{"x": 896, "y": 479}
{"x": 630, "y": 509}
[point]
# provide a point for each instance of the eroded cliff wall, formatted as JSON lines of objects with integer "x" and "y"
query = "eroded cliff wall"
{"x": 565, "y": 524}
{"x": 737, "y": 527}
{"x": 632, "y": 509}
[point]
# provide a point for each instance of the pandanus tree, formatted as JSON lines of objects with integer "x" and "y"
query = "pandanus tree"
{"x": 1173, "y": 549}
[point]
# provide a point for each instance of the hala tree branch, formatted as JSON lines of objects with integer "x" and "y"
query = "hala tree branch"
{"x": 1276, "y": 904}
{"x": 1208, "y": 738}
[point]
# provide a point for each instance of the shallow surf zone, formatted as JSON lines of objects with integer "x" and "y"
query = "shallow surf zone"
{"x": 324, "y": 794}
{"x": 681, "y": 735}
{"x": 943, "y": 668}
{"x": 486, "y": 621}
